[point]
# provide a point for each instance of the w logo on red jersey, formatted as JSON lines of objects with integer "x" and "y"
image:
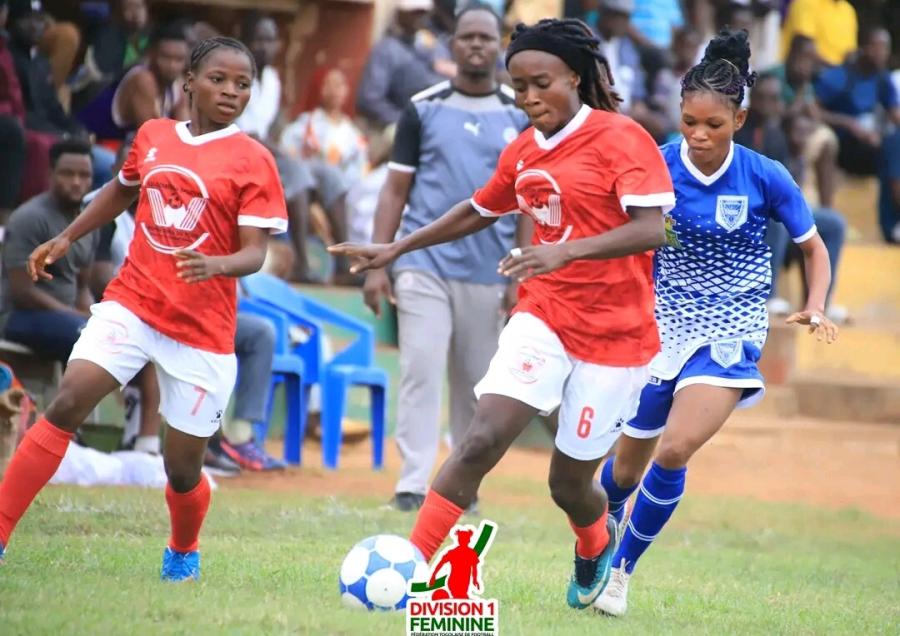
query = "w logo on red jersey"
{"x": 540, "y": 197}
{"x": 177, "y": 197}
{"x": 184, "y": 217}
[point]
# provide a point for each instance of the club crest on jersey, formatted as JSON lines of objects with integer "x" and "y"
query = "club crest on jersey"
{"x": 731, "y": 211}
{"x": 540, "y": 197}
{"x": 727, "y": 352}
{"x": 177, "y": 198}
{"x": 527, "y": 365}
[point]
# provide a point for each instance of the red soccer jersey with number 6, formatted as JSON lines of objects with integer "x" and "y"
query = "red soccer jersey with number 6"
{"x": 575, "y": 184}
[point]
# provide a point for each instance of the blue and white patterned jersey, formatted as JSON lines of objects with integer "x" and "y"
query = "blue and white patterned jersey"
{"x": 713, "y": 275}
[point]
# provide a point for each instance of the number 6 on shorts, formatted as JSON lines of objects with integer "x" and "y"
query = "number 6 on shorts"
{"x": 584, "y": 422}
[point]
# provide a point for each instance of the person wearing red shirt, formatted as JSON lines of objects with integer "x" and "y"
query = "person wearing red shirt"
{"x": 583, "y": 332}
{"x": 208, "y": 196}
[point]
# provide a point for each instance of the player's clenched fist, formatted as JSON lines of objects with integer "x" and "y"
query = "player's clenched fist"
{"x": 46, "y": 254}
{"x": 194, "y": 267}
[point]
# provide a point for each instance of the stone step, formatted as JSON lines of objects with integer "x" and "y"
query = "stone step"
{"x": 848, "y": 398}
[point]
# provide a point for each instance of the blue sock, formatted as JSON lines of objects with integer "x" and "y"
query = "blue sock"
{"x": 660, "y": 492}
{"x": 617, "y": 496}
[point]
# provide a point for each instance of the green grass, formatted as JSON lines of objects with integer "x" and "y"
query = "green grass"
{"x": 86, "y": 562}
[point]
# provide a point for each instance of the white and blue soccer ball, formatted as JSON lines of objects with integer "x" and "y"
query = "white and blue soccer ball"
{"x": 375, "y": 574}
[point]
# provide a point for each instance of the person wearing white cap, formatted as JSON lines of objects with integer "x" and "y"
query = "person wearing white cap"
{"x": 398, "y": 67}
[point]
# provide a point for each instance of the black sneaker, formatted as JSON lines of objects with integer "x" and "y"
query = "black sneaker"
{"x": 407, "y": 501}
{"x": 217, "y": 462}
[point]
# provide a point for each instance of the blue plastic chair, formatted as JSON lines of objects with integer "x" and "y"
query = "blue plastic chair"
{"x": 287, "y": 369}
{"x": 352, "y": 366}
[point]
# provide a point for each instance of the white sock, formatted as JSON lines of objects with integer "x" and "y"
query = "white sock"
{"x": 147, "y": 444}
{"x": 238, "y": 431}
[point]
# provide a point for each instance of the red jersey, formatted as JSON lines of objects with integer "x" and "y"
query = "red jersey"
{"x": 195, "y": 192}
{"x": 577, "y": 184}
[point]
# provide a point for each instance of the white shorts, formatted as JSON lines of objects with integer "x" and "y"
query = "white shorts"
{"x": 595, "y": 401}
{"x": 195, "y": 385}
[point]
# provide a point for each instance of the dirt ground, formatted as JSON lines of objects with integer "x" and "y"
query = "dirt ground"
{"x": 832, "y": 464}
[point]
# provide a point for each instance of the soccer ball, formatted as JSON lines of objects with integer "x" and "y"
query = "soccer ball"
{"x": 375, "y": 574}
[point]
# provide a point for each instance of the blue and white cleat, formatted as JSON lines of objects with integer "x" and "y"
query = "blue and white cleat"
{"x": 180, "y": 566}
{"x": 592, "y": 575}
{"x": 1, "y": 554}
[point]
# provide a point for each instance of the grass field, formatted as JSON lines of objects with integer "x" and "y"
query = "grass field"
{"x": 87, "y": 562}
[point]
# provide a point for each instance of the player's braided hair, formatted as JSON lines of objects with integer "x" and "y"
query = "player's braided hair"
{"x": 724, "y": 69}
{"x": 207, "y": 46}
{"x": 573, "y": 42}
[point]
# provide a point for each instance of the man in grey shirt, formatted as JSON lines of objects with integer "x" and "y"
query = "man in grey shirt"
{"x": 450, "y": 298}
{"x": 399, "y": 66}
{"x": 48, "y": 315}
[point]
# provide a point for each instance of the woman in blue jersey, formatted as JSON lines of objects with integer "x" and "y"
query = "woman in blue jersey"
{"x": 712, "y": 280}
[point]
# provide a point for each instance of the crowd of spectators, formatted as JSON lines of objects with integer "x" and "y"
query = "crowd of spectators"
{"x": 71, "y": 95}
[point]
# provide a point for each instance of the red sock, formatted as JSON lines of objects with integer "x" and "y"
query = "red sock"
{"x": 593, "y": 539}
{"x": 437, "y": 516}
{"x": 186, "y": 512}
{"x": 33, "y": 464}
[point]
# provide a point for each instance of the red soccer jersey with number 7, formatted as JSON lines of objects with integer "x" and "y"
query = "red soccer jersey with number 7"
{"x": 195, "y": 193}
{"x": 576, "y": 184}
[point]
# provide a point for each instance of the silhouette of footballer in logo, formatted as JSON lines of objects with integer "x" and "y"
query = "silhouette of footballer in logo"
{"x": 463, "y": 561}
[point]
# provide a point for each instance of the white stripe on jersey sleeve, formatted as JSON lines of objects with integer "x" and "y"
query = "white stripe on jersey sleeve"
{"x": 489, "y": 213}
{"x": 128, "y": 182}
{"x": 401, "y": 167}
{"x": 806, "y": 235}
{"x": 276, "y": 225}
{"x": 664, "y": 200}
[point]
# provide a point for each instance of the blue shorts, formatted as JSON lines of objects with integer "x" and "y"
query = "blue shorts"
{"x": 718, "y": 364}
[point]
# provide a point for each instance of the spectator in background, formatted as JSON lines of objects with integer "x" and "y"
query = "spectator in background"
{"x": 398, "y": 67}
{"x": 830, "y": 224}
{"x": 114, "y": 47}
{"x": 449, "y": 297}
{"x": 831, "y": 24}
{"x": 254, "y": 346}
{"x": 889, "y": 183}
{"x": 666, "y": 95}
{"x": 260, "y": 33}
{"x": 796, "y": 76}
{"x": 146, "y": 91}
{"x": 762, "y": 130}
{"x": 630, "y": 83}
{"x": 12, "y": 131}
{"x": 653, "y": 25}
{"x": 327, "y": 133}
{"x": 362, "y": 198}
{"x": 44, "y": 113}
{"x": 300, "y": 178}
{"x": 48, "y": 315}
{"x": 850, "y": 96}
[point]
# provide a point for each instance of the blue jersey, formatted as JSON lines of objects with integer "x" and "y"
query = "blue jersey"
{"x": 713, "y": 275}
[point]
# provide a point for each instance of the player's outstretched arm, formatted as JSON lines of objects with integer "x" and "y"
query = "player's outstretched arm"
{"x": 461, "y": 220}
{"x": 194, "y": 266}
{"x": 818, "y": 279}
{"x": 645, "y": 231}
{"x": 109, "y": 203}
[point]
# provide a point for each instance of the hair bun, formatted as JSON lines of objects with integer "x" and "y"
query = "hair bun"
{"x": 733, "y": 47}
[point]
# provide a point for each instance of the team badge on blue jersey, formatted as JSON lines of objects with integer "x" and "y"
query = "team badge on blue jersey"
{"x": 727, "y": 352}
{"x": 731, "y": 211}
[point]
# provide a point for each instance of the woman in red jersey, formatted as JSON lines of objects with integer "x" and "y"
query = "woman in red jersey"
{"x": 583, "y": 331}
{"x": 208, "y": 196}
